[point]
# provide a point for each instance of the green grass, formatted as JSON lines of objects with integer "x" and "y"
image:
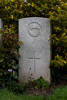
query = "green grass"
{"x": 7, "y": 95}
{"x": 59, "y": 94}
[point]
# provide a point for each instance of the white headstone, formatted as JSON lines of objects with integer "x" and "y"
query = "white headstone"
{"x": 25, "y": 0}
{"x": 34, "y": 59}
{"x": 1, "y": 24}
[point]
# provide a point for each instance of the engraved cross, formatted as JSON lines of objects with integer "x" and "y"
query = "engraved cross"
{"x": 34, "y": 58}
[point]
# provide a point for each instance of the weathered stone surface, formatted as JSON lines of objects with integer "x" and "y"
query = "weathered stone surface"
{"x": 1, "y": 24}
{"x": 35, "y": 53}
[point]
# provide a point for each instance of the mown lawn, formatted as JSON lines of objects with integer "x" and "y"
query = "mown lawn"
{"x": 59, "y": 94}
{"x": 7, "y": 95}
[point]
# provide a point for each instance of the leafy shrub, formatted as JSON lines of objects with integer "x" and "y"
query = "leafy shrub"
{"x": 14, "y": 86}
{"x": 9, "y": 55}
{"x": 39, "y": 83}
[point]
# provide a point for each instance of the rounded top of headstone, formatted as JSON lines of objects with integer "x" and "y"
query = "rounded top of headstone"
{"x": 33, "y": 25}
{"x": 35, "y": 18}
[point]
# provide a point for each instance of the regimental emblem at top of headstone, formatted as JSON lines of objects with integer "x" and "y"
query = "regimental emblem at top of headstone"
{"x": 34, "y": 29}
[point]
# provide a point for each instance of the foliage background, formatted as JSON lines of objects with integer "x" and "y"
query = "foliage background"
{"x": 56, "y": 11}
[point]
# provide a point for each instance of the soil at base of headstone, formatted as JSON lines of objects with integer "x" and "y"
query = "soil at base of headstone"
{"x": 45, "y": 92}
